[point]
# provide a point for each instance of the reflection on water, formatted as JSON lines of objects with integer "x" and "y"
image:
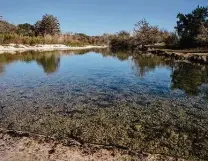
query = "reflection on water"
{"x": 147, "y": 103}
{"x": 188, "y": 77}
{"x": 49, "y": 61}
{"x": 184, "y": 76}
{"x": 1, "y": 68}
{"x": 147, "y": 63}
{"x": 49, "y": 64}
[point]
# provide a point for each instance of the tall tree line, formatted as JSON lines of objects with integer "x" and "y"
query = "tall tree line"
{"x": 191, "y": 31}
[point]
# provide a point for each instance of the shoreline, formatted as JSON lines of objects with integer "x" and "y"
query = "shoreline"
{"x": 15, "y": 48}
{"x": 27, "y": 146}
{"x": 193, "y": 57}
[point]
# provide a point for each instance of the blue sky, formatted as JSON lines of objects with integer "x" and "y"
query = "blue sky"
{"x": 95, "y": 17}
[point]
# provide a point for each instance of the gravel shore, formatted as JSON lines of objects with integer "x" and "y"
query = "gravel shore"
{"x": 13, "y": 48}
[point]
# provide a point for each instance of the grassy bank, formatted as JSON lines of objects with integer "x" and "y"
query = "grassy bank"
{"x": 67, "y": 39}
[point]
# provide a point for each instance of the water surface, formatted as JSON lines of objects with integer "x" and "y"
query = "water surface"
{"x": 146, "y": 103}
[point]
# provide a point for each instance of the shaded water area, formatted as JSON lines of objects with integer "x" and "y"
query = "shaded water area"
{"x": 146, "y": 103}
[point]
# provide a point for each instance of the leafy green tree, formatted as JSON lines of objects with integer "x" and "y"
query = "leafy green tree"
{"x": 37, "y": 28}
{"x": 26, "y": 29}
{"x": 49, "y": 25}
{"x": 189, "y": 26}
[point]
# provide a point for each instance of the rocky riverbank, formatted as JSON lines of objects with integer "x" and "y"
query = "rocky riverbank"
{"x": 21, "y": 146}
{"x": 14, "y": 48}
{"x": 201, "y": 58}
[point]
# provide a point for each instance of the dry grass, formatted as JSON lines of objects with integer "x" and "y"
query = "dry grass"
{"x": 67, "y": 39}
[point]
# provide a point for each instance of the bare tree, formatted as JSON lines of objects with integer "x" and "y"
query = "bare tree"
{"x": 145, "y": 34}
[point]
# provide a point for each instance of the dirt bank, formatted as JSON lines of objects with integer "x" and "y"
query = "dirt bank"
{"x": 19, "y": 146}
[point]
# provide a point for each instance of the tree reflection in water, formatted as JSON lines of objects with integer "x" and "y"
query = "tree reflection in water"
{"x": 50, "y": 64}
{"x": 50, "y": 61}
{"x": 146, "y": 63}
{"x": 184, "y": 76}
{"x": 189, "y": 77}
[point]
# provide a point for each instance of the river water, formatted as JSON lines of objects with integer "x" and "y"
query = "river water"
{"x": 140, "y": 102}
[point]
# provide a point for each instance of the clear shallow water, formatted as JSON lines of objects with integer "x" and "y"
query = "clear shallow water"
{"x": 146, "y": 103}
